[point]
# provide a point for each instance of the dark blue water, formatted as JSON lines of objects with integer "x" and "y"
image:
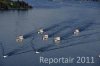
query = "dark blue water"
{"x": 14, "y": 23}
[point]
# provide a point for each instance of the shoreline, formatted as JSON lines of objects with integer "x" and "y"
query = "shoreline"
{"x": 14, "y": 5}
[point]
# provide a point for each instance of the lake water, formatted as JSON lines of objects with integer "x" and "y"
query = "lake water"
{"x": 14, "y": 23}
